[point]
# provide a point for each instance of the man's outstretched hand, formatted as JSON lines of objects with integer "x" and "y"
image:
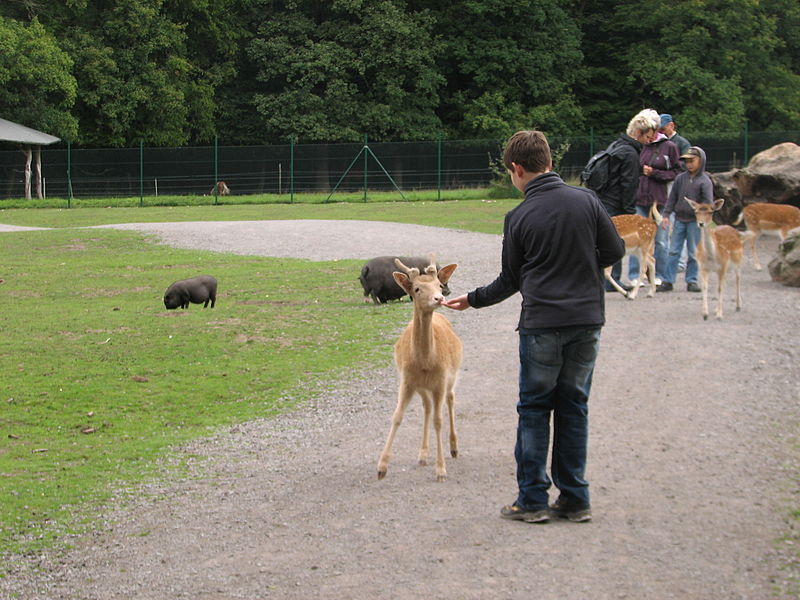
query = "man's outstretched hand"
{"x": 457, "y": 303}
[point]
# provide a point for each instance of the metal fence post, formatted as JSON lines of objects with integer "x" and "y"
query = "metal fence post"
{"x": 746, "y": 143}
{"x": 366, "y": 158}
{"x": 141, "y": 173}
{"x": 291, "y": 169}
{"x": 216, "y": 169}
{"x": 439, "y": 167}
{"x": 69, "y": 174}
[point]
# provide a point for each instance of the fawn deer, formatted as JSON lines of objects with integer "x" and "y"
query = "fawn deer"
{"x": 715, "y": 251}
{"x": 763, "y": 216}
{"x": 639, "y": 235}
{"x": 428, "y": 355}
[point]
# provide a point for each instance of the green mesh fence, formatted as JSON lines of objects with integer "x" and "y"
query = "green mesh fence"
{"x": 319, "y": 168}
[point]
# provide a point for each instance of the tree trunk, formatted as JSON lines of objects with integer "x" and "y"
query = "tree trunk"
{"x": 28, "y": 156}
{"x": 39, "y": 172}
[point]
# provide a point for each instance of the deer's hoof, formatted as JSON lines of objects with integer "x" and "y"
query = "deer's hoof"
{"x": 705, "y": 317}
{"x": 454, "y": 453}
{"x": 381, "y": 474}
{"x": 423, "y": 462}
{"x": 441, "y": 478}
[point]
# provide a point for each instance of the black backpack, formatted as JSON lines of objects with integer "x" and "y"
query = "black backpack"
{"x": 597, "y": 172}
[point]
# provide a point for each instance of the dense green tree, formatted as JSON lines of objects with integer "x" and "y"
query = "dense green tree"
{"x": 216, "y": 32}
{"x": 135, "y": 80}
{"x": 175, "y": 72}
{"x": 711, "y": 64}
{"x": 780, "y": 88}
{"x": 36, "y": 86}
{"x": 333, "y": 71}
{"x": 509, "y": 65}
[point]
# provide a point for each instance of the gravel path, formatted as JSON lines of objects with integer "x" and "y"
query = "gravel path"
{"x": 693, "y": 464}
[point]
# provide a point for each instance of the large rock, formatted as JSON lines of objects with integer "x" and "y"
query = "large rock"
{"x": 785, "y": 267}
{"x": 771, "y": 176}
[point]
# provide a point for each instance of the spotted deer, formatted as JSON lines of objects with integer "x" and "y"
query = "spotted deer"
{"x": 639, "y": 235}
{"x": 718, "y": 247}
{"x": 764, "y": 216}
{"x": 428, "y": 355}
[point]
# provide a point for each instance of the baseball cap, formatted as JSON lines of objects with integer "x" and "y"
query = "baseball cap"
{"x": 666, "y": 118}
{"x": 692, "y": 152}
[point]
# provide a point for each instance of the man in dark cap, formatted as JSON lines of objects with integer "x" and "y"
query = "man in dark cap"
{"x": 668, "y": 129}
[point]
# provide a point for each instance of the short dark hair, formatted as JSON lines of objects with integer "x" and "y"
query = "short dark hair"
{"x": 528, "y": 149}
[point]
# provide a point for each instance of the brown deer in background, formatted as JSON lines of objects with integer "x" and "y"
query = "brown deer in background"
{"x": 763, "y": 216}
{"x": 220, "y": 189}
{"x": 428, "y": 355}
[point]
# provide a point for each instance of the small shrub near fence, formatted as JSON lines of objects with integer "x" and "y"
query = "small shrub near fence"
{"x": 290, "y": 169}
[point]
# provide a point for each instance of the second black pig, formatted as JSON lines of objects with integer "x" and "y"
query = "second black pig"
{"x": 378, "y": 283}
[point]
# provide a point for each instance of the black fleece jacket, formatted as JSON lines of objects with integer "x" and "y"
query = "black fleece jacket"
{"x": 555, "y": 243}
{"x": 619, "y": 195}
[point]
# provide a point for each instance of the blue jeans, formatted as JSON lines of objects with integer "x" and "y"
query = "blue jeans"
{"x": 555, "y": 377}
{"x": 683, "y": 232}
{"x": 660, "y": 252}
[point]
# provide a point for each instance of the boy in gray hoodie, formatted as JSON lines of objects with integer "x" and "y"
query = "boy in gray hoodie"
{"x": 696, "y": 185}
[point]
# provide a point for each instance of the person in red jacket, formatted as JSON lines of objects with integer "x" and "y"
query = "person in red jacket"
{"x": 556, "y": 243}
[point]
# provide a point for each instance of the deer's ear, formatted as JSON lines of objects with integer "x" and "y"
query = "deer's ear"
{"x": 403, "y": 281}
{"x": 718, "y": 203}
{"x": 446, "y": 272}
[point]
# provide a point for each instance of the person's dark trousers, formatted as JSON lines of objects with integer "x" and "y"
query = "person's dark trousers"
{"x": 556, "y": 370}
{"x": 616, "y": 270}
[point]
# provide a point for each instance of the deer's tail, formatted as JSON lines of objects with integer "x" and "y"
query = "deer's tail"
{"x": 654, "y": 213}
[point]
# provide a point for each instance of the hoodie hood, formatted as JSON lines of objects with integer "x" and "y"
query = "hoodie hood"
{"x": 696, "y": 151}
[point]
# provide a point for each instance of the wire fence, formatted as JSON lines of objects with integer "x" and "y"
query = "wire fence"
{"x": 290, "y": 169}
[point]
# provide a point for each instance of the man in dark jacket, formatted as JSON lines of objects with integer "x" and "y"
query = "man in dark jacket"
{"x": 619, "y": 194}
{"x": 555, "y": 245}
{"x": 669, "y": 129}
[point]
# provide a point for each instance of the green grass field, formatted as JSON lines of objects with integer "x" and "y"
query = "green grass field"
{"x": 100, "y": 381}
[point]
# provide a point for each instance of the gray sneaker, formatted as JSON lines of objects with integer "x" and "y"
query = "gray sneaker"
{"x": 516, "y": 513}
{"x": 575, "y": 514}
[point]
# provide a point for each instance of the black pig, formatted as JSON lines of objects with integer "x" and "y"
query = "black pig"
{"x": 201, "y": 289}
{"x": 378, "y": 283}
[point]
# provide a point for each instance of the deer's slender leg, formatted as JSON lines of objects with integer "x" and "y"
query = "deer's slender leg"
{"x": 403, "y": 398}
{"x": 427, "y": 404}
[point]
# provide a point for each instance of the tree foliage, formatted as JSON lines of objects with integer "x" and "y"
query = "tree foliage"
{"x": 172, "y": 72}
{"x": 333, "y": 71}
{"x": 37, "y": 88}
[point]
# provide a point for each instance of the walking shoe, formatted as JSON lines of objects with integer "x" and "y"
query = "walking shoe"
{"x": 664, "y": 287}
{"x": 693, "y": 287}
{"x": 563, "y": 510}
{"x": 516, "y": 513}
